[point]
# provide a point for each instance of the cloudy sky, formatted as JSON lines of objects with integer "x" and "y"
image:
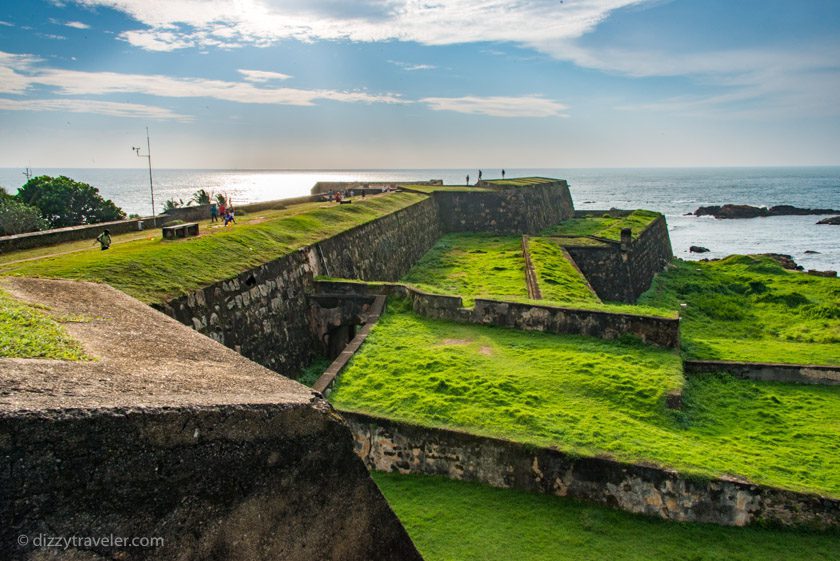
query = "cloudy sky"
{"x": 420, "y": 83}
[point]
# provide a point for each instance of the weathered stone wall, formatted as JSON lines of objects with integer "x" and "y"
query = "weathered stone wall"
{"x": 768, "y": 372}
{"x": 621, "y": 272}
{"x": 522, "y": 210}
{"x": 247, "y": 482}
{"x": 388, "y": 445}
{"x": 660, "y": 331}
{"x": 264, "y": 314}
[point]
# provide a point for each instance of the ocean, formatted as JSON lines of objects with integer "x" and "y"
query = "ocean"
{"x": 672, "y": 191}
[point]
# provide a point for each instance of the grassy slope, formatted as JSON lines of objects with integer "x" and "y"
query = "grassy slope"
{"x": 604, "y": 226}
{"x": 153, "y": 270}
{"x": 27, "y": 332}
{"x": 454, "y": 188}
{"x": 751, "y": 309}
{"x": 590, "y": 396}
{"x": 472, "y": 265}
{"x": 559, "y": 280}
{"x": 449, "y": 520}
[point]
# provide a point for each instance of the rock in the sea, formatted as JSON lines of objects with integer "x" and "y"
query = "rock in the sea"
{"x": 811, "y": 252}
{"x": 749, "y": 211}
{"x": 698, "y": 249}
{"x": 833, "y": 220}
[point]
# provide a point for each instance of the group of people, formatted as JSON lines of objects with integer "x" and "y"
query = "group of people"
{"x": 226, "y": 212}
{"x": 480, "y": 173}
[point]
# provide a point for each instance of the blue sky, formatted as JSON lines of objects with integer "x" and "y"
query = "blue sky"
{"x": 420, "y": 83}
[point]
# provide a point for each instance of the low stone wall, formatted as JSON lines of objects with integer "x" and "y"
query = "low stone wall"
{"x": 202, "y": 212}
{"x": 522, "y": 210}
{"x": 388, "y": 445}
{"x": 264, "y": 314}
{"x": 768, "y": 372}
{"x": 623, "y": 272}
{"x": 528, "y": 317}
{"x": 73, "y": 233}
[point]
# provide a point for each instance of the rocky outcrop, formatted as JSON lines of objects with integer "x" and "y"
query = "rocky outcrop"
{"x": 832, "y": 220}
{"x": 698, "y": 249}
{"x": 749, "y": 211}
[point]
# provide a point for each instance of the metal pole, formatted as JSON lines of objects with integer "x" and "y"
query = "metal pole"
{"x": 151, "y": 185}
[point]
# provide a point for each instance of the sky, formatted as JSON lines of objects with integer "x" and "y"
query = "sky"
{"x": 338, "y": 84}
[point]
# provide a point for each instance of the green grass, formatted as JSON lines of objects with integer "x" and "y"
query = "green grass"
{"x": 604, "y": 226}
{"x": 748, "y": 308}
{"x": 455, "y": 520}
{"x": 590, "y": 397}
{"x": 28, "y": 332}
{"x": 153, "y": 270}
{"x": 559, "y": 279}
{"x": 311, "y": 373}
{"x": 472, "y": 266}
{"x": 444, "y": 188}
{"x": 521, "y": 181}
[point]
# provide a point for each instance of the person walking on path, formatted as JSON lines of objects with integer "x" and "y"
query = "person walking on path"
{"x": 503, "y": 174}
{"x": 214, "y": 212}
{"x": 468, "y": 179}
{"x": 479, "y": 175}
{"x": 104, "y": 240}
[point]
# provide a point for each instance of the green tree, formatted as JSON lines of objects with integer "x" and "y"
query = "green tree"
{"x": 172, "y": 204}
{"x": 18, "y": 218}
{"x": 201, "y": 197}
{"x": 220, "y": 199}
{"x": 65, "y": 202}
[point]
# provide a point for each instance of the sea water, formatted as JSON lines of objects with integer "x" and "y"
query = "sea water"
{"x": 674, "y": 192}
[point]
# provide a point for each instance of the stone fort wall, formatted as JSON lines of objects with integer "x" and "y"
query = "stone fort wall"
{"x": 388, "y": 445}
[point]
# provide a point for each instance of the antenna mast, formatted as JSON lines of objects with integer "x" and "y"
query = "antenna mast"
{"x": 148, "y": 156}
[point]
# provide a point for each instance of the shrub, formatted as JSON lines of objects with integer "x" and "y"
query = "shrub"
{"x": 18, "y": 218}
{"x": 65, "y": 202}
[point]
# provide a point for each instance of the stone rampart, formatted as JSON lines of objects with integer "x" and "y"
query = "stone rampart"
{"x": 388, "y": 445}
{"x": 263, "y": 313}
{"x": 660, "y": 331}
{"x": 623, "y": 271}
{"x": 768, "y": 372}
{"x": 520, "y": 210}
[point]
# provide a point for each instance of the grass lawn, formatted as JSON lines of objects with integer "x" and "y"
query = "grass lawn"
{"x": 154, "y": 270}
{"x": 521, "y": 181}
{"x": 589, "y": 396}
{"x": 455, "y": 520}
{"x": 436, "y": 188}
{"x": 604, "y": 226}
{"x": 28, "y": 332}
{"x": 559, "y": 279}
{"x": 472, "y": 266}
{"x": 748, "y": 308}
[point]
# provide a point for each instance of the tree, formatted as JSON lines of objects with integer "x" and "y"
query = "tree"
{"x": 65, "y": 202}
{"x": 201, "y": 197}
{"x": 220, "y": 199}
{"x": 18, "y": 218}
{"x": 172, "y": 204}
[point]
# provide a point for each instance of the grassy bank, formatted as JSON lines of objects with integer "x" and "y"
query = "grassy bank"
{"x": 748, "y": 308}
{"x": 454, "y": 520}
{"x": 589, "y": 396}
{"x": 559, "y": 279}
{"x": 28, "y": 332}
{"x": 604, "y": 226}
{"x": 472, "y": 266}
{"x": 154, "y": 270}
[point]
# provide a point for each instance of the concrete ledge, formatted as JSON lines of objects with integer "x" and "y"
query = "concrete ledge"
{"x": 388, "y": 445}
{"x": 768, "y": 372}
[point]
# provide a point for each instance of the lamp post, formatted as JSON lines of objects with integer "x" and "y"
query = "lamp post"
{"x": 148, "y": 156}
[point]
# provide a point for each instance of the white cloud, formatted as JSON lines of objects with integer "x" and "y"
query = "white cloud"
{"x": 411, "y": 67}
{"x": 176, "y": 24}
{"x": 22, "y": 71}
{"x": 77, "y": 25}
{"x": 499, "y": 106}
{"x": 114, "y": 109}
{"x": 6, "y": 24}
{"x": 261, "y": 76}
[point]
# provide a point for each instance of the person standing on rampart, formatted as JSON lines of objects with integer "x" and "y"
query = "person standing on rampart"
{"x": 214, "y": 212}
{"x": 104, "y": 240}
